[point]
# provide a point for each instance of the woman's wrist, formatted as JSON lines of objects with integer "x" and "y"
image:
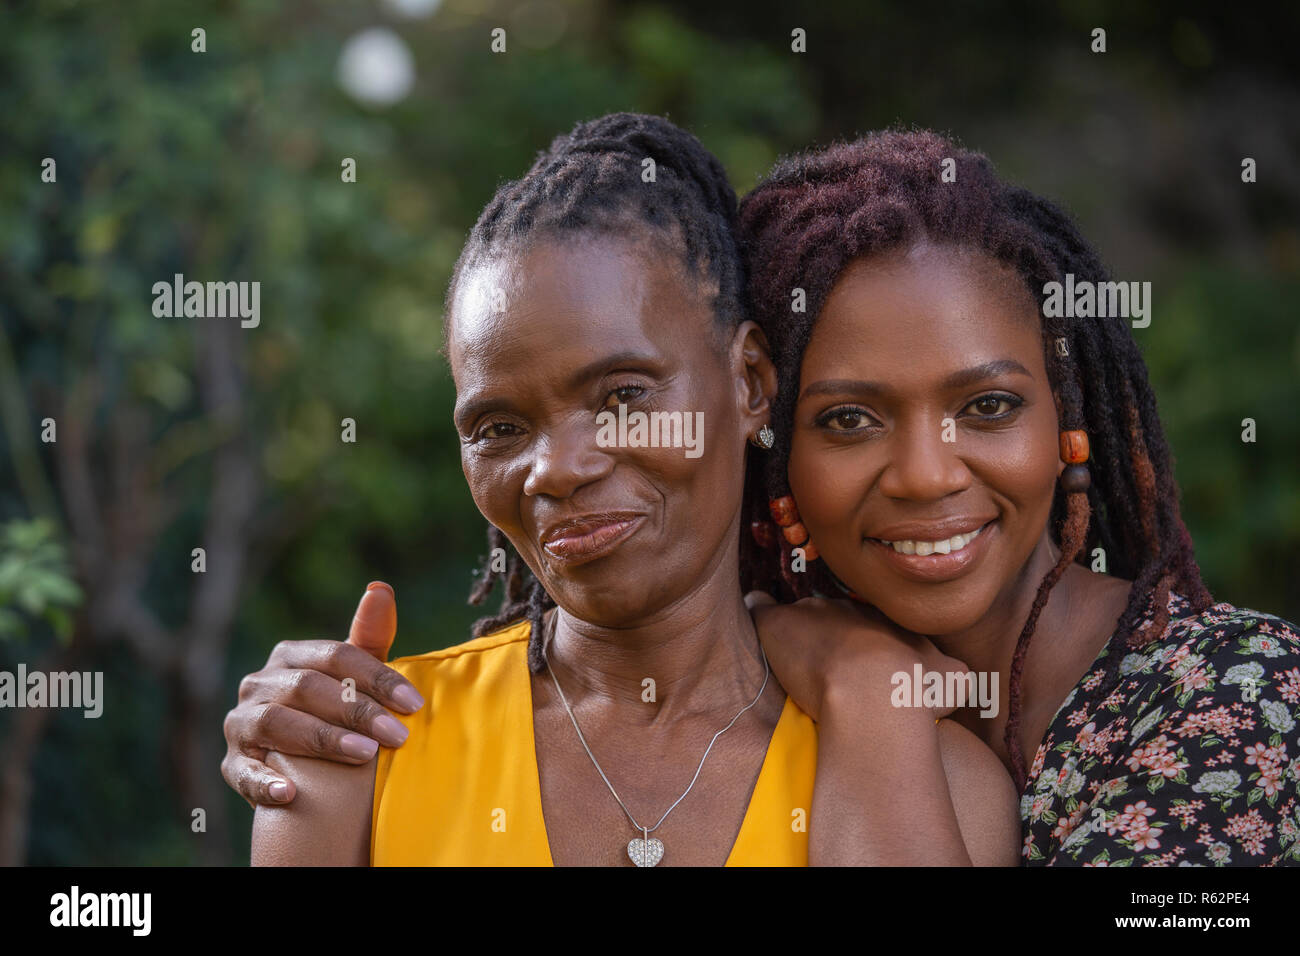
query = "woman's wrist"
{"x": 865, "y": 681}
{"x": 880, "y": 771}
{"x": 865, "y": 696}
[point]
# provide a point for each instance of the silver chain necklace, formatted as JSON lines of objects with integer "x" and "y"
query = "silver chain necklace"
{"x": 642, "y": 850}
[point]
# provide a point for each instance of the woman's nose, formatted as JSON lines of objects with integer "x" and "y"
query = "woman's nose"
{"x": 923, "y": 465}
{"x": 567, "y": 458}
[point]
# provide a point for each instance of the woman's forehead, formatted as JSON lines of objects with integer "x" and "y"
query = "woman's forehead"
{"x": 893, "y": 315}
{"x": 934, "y": 282}
{"x": 592, "y": 290}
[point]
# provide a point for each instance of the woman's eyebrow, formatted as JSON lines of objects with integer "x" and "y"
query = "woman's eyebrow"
{"x": 594, "y": 370}
{"x": 473, "y": 409}
{"x": 476, "y": 406}
{"x": 959, "y": 379}
{"x": 840, "y": 386}
{"x": 978, "y": 373}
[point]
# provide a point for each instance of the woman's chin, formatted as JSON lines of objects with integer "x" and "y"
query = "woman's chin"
{"x": 930, "y": 618}
{"x": 606, "y": 607}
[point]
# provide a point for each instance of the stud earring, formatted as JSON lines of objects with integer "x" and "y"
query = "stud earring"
{"x": 766, "y": 438}
{"x": 1074, "y": 452}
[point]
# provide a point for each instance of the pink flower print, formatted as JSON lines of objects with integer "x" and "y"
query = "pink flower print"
{"x": 1186, "y": 813}
{"x": 1039, "y": 758}
{"x": 1195, "y": 679}
{"x": 1158, "y": 758}
{"x": 1250, "y": 830}
{"x": 1290, "y": 689}
{"x": 1269, "y": 760}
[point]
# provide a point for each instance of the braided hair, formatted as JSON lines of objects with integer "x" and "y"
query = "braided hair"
{"x": 817, "y": 212}
{"x": 594, "y": 180}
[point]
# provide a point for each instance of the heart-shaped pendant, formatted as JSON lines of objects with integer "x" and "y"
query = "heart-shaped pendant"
{"x": 646, "y": 852}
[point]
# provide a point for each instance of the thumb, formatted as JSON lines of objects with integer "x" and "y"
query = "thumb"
{"x": 375, "y": 624}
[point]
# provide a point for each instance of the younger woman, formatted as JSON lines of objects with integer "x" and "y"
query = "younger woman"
{"x": 990, "y": 474}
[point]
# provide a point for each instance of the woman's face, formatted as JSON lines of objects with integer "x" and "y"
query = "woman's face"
{"x": 542, "y": 340}
{"x": 924, "y": 414}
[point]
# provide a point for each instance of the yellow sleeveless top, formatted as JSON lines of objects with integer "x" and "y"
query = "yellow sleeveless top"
{"x": 464, "y": 789}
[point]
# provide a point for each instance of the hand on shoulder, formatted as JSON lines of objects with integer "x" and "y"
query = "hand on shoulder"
{"x": 819, "y": 647}
{"x": 327, "y": 824}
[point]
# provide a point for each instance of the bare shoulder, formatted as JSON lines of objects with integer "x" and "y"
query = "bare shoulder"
{"x": 328, "y": 822}
{"x": 984, "y": 796}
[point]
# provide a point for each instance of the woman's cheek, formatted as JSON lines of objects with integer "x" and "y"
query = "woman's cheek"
{"x": 1043, "y": 462}
{"x": 1025, "y": 475}
{"x": 495, "y": 492}
{"x": 707, "y": 462}
{"x": 827, "y": 490}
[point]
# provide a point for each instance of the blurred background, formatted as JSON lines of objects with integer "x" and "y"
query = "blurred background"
{"x": 225, "y": 164}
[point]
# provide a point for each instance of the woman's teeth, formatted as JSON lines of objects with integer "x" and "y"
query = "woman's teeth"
{"x": 946, "y": 546}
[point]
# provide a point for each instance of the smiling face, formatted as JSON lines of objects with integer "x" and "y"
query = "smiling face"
{"x": 541, "y": 341}
{"x": 903, "y": 343}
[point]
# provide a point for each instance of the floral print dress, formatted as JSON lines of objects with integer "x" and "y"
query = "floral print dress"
{"x": 1188, "y": 756}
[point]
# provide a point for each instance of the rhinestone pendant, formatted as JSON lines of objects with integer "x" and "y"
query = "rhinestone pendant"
{"x": 645, "y": 852}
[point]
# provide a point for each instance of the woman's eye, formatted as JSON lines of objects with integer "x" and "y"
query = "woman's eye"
{"x": 846, "y": 419}
{"x": 992, "y": 406}
{"x": 498, "y": 430}
{"x": 623, "y": 395}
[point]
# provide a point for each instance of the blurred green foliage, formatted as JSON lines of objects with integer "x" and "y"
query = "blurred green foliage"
{"x": 225, "y": 165}
{"x": 1227, "y": 350}
{"x": 35, "y": 580}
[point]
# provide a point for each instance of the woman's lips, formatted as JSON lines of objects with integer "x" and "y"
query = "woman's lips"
{"x": 588, "y": 538}
{"x": 936, "y": 567}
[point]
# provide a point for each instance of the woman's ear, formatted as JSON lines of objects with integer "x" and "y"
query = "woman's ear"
{"x": 757, "y": 375}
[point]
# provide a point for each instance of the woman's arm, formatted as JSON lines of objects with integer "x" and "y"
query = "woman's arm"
{"x": 983, "y": 795}
{"x": 881, "y": 796}
{"x": 894, "y": 788}
{"x": 328, "y": 823}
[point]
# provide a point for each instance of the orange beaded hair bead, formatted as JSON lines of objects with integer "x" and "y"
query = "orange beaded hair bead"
{"x": 786, "y": 514}
{"x": 1074, "y": 446}
{"x": 1076, "y": 478}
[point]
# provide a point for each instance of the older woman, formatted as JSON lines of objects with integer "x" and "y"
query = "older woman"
{"x": 637, "y": 720}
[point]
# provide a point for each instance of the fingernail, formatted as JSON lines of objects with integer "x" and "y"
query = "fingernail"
{"x": 379, "y": 584}
{"x": 392, "y": 733}
{"x": 354, "y": 745}
{"x": 279, "y": 791}
{"x": 408, "y": 698}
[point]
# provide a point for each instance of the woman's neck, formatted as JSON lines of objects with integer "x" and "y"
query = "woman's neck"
{"x": 699, "y": 655}
{"x": 1075, "y": 623}
{"x": 989, "y": 644}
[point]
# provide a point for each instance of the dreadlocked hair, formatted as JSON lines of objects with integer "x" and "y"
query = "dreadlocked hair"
{"x": 817, "y": 212}
{"x": 597, "y": 180}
